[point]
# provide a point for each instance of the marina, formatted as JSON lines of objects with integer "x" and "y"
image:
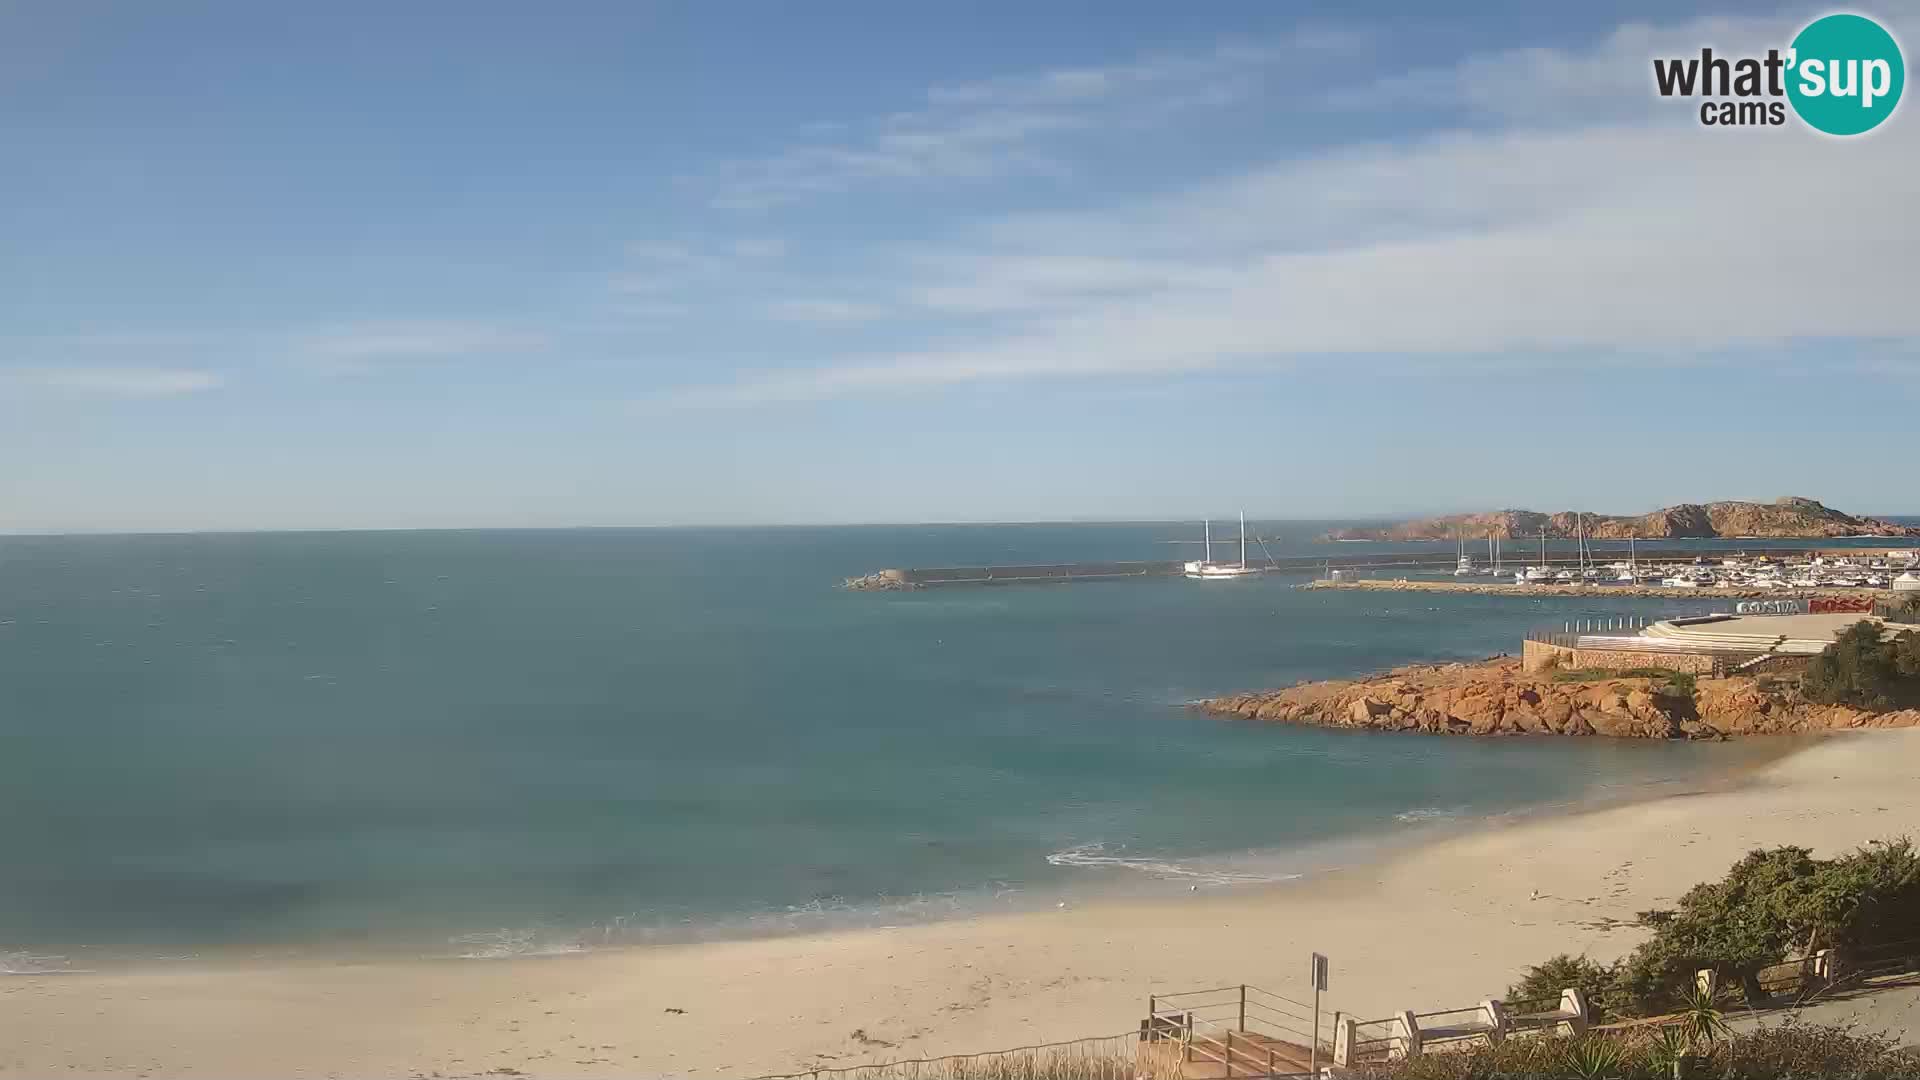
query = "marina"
{"x": 1768, "y": 568}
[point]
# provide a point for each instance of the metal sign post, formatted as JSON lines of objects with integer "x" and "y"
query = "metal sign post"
{"x": 1319, "y": 984}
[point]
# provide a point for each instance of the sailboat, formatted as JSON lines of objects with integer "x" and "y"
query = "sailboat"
{"x": 1630, "y": 573}
{"x": 1208, "y": 570}
{"x": 1543, "y": 572}
{"x": 1589, "y": 564}
{"x": 1463, "y": 562}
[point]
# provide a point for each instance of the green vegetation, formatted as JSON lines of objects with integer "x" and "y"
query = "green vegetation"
{"x": 1864, "y": 669}
{"x": 1602, "y": 674}
{"x": 1792, "y": 1051}
{"x": 1545, "y": 981}
{"x": 1772, "y": 905}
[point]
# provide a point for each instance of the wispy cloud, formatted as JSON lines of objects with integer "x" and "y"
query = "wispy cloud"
{"x": 656, "y": 268}
{"x": 361, "y": 349}
{"x": 1609, "y": 82}
{"x": 123, "y": 382}
{"x": 1000, "y": 127}
{"x": 824, "y": 310}
{"x": 1657, "y": 239}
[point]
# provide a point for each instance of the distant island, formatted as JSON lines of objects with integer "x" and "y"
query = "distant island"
{"x": 1789, "y": 517}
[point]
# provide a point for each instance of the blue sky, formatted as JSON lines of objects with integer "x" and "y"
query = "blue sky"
{"x": 361, "y": 265}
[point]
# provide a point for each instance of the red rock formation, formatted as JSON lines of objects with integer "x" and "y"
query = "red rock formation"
{"x": 1790, "y": 517}
{"x": 1496, "y": 697}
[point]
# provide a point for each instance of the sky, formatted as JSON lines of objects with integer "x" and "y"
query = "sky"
{"x": 363, "y": 265}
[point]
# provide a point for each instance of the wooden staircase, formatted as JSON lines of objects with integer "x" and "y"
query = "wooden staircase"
{"x": 1230, "y": 1033}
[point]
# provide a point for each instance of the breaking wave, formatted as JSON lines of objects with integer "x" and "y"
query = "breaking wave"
{"x": 1097, "y": 855}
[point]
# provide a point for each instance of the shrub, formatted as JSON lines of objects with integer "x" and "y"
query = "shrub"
{"x": 1546, "y": 980}
{"x": 1790, "y": 1051}
{"x": 1862, "y": 669}
{"x": 1772, "y": 905}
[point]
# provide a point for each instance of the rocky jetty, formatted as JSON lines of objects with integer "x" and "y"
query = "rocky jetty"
{"x": 880, "y": 581}
{"x": 1787, "y": 518}
{"x": 1496, "y": 697}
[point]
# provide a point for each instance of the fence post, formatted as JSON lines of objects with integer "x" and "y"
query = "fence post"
{"x": 1344, "y": 1034}
{"x": 1821, "y": 965}
{"x": 1573, "y": 1001}
{"x": 1227, "y": 1054}
{"x": 1243, "y": 1006}
{"x": 1410, "y": 1033}
{"x": 1496, "y": 1019}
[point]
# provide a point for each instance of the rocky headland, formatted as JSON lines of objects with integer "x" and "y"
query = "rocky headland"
{"x": 1787, "y": 518}
{"x": 1496, "y": 697}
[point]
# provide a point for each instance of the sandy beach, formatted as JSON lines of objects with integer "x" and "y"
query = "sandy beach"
{"x": 1441, "y": 925}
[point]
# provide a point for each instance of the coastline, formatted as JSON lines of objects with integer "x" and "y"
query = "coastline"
{"x": 1593, "y": 589}
{"x": 1448, "y": 920}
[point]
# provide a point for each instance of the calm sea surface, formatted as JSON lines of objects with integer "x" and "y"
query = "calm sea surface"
{"x": 489, "y": 742}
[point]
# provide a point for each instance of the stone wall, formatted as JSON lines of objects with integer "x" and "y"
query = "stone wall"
{"x": 1617, "y": 660}
{"x": 1782, "y": 664}
{"x": 1539, "y": 656}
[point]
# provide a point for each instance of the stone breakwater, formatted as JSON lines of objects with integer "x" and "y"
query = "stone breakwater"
{"x": 880, "y": 581}
{"x": 1489, "y": 588}
{"x": 1496, "y": 697}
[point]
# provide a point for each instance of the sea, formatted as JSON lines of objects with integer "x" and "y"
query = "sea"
{"x": 490, "y": 743}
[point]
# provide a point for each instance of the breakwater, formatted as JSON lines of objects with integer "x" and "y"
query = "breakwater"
{"x": 1038, "y": 573}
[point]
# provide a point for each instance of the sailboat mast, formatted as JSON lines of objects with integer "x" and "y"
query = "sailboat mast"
{"x": 1209, "y": 534}
{"x": 1243, "y": 539}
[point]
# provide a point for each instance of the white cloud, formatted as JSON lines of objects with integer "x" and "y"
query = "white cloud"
{"x": 1654, "y": 237}
{"x": 362, "y": 349}
{"x": 998, "y": 127}
{"x": 125, "y": 382}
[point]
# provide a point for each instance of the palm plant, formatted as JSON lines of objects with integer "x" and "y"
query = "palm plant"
{"x": 1701, "y": 1020}
{"x": 1595, "y": 1058}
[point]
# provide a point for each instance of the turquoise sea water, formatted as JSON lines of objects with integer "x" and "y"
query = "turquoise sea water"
{"x": 493, "y": 741}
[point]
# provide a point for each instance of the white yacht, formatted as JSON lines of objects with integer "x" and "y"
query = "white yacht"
{"x": 1208, "y": 570}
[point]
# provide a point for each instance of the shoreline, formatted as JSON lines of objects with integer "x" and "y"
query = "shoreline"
{"x": 1447, "y": 921}
{"x": 1600, "y": 589}
{"x": 1216, "y": 872}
